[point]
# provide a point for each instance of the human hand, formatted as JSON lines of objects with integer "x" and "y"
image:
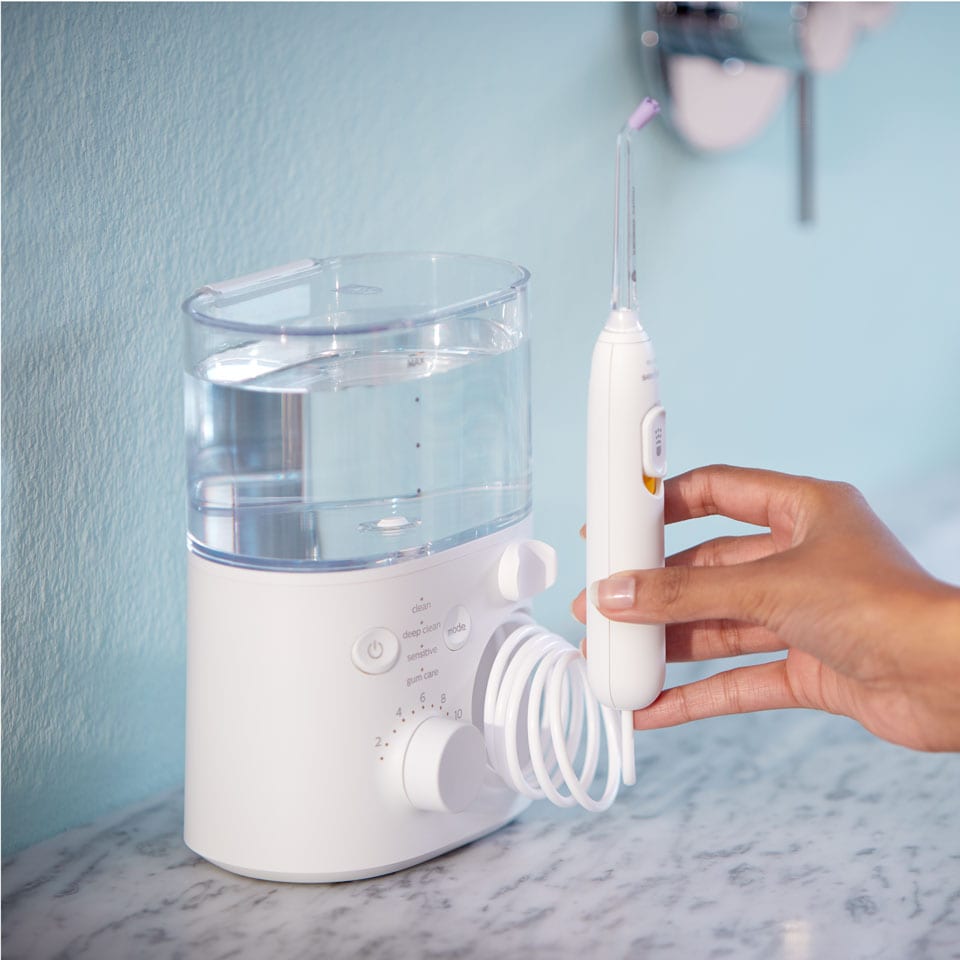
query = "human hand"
{"x": 867, "y": 632}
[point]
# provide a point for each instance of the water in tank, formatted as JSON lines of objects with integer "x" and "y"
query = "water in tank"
{"x": 356, "y": 411}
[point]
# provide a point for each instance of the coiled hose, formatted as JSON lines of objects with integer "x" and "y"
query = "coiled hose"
{"x": 538, "y": 703}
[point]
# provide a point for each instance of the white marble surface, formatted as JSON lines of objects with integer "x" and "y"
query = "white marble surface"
{"x": 773, "y": 836}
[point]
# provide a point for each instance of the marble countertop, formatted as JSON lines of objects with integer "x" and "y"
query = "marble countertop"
{"x": 784, "y": 835}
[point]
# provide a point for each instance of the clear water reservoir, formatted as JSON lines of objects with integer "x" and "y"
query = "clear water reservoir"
{"x": 357, "y": 411}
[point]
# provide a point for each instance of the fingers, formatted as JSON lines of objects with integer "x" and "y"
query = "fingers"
{"x": 715, "y": 639}
{"x": 579, "y": 607}
{"x": 743, "y": 690}
{"x": 761, "y": 497}
{"x": 703, "y": 639}
{"x": 724, "y": 551}
{"x": 683, "y": 594}
{"x": 720, "y": 552}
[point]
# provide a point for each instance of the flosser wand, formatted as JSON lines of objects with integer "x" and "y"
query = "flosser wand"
{"x": 626, "y": 464}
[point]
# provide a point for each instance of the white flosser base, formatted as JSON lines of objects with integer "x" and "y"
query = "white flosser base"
{"x": 294, "y": 754}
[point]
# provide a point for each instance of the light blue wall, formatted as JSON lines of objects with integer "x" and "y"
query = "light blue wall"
{"x": 150, "y": 148}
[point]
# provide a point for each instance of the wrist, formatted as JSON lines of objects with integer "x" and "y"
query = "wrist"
{"x": 944, "y": 619}
{"x": 938, "y": 677}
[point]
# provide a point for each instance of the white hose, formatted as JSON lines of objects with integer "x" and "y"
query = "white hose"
{"x": 538, "y": 686}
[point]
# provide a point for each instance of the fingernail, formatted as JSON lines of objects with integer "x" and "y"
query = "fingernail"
{"x": 615, "y": 593}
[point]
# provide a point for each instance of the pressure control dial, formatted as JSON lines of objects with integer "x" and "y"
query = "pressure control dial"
{"x": 444, "y": 765}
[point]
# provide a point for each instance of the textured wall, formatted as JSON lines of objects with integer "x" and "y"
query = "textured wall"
{"x": 150, "y": 148}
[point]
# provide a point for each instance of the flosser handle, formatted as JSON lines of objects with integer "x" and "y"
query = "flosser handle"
{"x": 626, "y": 464}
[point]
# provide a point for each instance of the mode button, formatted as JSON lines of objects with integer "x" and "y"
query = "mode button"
{"x": 456, "y": 628}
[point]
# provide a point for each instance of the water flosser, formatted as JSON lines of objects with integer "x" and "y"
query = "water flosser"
{"x": 361, "y": 654}
{"x": 625, "y": 469}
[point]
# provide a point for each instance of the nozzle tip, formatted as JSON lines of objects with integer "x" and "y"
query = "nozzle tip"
{"x": 647, "y": 110}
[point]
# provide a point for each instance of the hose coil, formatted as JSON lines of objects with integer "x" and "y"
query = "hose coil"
{"x": 538, "y": 702}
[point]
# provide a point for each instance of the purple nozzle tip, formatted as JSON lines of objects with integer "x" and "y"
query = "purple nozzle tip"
{"x": 643, "y": 114}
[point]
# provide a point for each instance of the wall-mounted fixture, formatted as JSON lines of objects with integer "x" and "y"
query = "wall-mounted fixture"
{"x": 721, "y": 70}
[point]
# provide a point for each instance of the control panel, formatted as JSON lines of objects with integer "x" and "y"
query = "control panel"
{"x": 424, "y": 658}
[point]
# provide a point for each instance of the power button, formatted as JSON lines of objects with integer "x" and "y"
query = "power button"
{"x": 375, "y": 651}
{"x": 653, "y": 442}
